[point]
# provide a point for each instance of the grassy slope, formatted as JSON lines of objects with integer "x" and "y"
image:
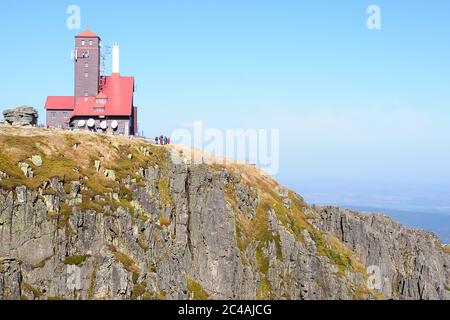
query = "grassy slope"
{"x": 71, "y": 157}
{"x": 61, "y": 159}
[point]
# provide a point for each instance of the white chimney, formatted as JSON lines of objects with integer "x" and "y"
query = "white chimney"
{"x": 115, "y": 59}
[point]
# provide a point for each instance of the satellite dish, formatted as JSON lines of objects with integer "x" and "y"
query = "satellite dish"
{"x": 104, "y": 125}
{"x": 91, "y": 123}
{"x": 114, "y": 124}
{"x": 81, "y": 123}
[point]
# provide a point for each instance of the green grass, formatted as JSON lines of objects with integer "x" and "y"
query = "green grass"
{"x": 265, "y": 290}
{"x": 262, "y": 261}
{"x": 63, "y": 216}
{"x": 336, "y": 257}
{"x": 41, "y": 264}
{"x": 258, "y": 229}
{"x": 161, "y": 295}
{"x": 196, "y": 290}
{"x": 90, "y": 293}
{"x": 142, "y": 241}
{"x": 148, "y": 296}
{"x": 138, "y": 291}
{"x": 164, "y": 221}
{"x": 75, "y": 260}
{"x": 127, "y": 262}
{"x": 164, "y": 191}
{"x": 36, "y": 293}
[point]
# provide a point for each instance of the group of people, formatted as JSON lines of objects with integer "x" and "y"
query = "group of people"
{"x": 162, "y": 140}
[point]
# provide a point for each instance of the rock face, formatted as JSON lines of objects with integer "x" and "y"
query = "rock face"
{"x": 21, "y": 116}
{"x": 10, "y": 279}
{"x": 170, "y": 230}
{"x": 404, "y": 257}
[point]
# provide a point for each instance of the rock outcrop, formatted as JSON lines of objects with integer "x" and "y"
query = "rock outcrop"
{"x": 404, "y": 257}
{"x": 160, "y": 228}
{"x": 21, "y": 116}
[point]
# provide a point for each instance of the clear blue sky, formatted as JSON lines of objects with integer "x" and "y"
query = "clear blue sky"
{"x": 354, "y": 105}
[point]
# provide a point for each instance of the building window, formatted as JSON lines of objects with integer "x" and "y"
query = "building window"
{"x": 65, "y": 114}
{"x": 86, "y": 64}
{"x": 86, "y": 94}
{"x": 90, "y": 42}
{"x": 83, "y": 42}
{"x": 86, "y": 74}
{"x": 54, "y": 115}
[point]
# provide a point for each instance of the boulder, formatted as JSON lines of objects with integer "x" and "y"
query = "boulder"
{"x": 37, "y": 160}
{"x": 97, "y": 165}
{"x": 110, "y": 174}
{"x": 26, "y": 169}
{"x": 21, "y": 116}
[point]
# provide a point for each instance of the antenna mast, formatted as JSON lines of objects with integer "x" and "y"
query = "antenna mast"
{"x": 105, "y": 54}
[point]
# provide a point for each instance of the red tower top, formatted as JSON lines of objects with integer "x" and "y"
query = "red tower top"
{"x": 87, "y": 34}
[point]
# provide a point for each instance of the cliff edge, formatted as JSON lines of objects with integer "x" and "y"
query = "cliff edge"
{"x": 87, "y": 216}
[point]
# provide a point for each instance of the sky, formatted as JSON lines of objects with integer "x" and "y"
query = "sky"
{"x": 359, "y": 111}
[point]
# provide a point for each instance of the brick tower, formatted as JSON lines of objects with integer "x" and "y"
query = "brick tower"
{"x": 100, "y": 103}
{"x": 87, "y": 64}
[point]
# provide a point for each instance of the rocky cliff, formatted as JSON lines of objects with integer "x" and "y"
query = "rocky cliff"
{"x": 85, "y": 216}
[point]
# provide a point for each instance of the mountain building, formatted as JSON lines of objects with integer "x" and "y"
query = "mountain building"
{"x": 100, "y": 103}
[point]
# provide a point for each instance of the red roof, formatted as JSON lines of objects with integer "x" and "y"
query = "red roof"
{"x": 102, "y": 95}
{"x": 60, "y": 103}
{"x": 87, "y": 34}
{"x": 119, "y": 91}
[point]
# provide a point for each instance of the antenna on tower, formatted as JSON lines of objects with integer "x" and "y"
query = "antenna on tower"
{"x": 104, "y": 57}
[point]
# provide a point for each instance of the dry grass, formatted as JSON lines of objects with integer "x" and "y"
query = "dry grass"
{"x": 62, "y": 160}
{"x": 127, "y": 262}
{"x": 19, "y": 144}
{"x": 196, "y": 290}
{"x": 36, "y": 293}
{"x": 164, "y": 221}
{"x": 75, "y": 260}
{"x": 443, "y": 247}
